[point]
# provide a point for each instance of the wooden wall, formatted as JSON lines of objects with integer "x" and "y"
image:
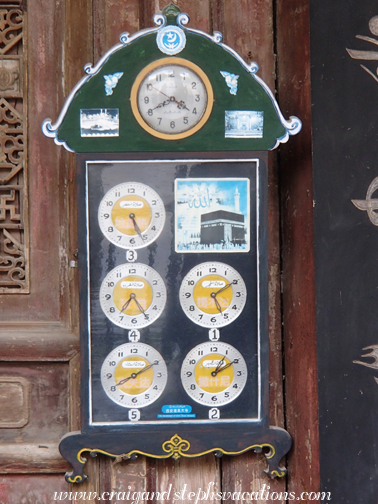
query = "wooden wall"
{"x": 39, "y": 338}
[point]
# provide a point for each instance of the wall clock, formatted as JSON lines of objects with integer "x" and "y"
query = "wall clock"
{"x": 171, "y": 130}
{"x": 213, "y": 294}
{"x": 172, "y": 98}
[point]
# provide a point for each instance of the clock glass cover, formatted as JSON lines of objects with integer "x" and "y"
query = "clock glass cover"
{"x": 133, "y": 295}
{"x": 134, "y": 375}
{"x": 213, "y": 294}
{"x": 131, "y": 215}
{"x": 172, "y": 98}
{"x": 214, "y": 373}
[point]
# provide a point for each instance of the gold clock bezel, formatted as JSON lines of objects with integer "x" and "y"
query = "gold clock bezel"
{"x": 164, "y": 62}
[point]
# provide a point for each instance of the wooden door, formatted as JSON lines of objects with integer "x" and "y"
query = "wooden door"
{"x": 44, "y": 45}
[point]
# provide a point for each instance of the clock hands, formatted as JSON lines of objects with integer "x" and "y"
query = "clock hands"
{"x": 220, "y": 366}
{"x": 140, "y": 307}
{"x": 214, "y": 296}
{"x": 180, "y": 104}
{"x": 136, "y": 227}
{"x": 134, "y": 375}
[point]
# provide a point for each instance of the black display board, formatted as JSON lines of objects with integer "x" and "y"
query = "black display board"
{"x": 174, "y": 309}
{"x": 345, "y": 147}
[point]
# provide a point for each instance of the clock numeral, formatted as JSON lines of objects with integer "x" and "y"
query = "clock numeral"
{"x": 189, "y": 374}
{"x": 109, "y": 203}
{"x": 106, "y": 216}
{"x": 186, "y": 120}
{"x": 199, "y": 273}
{"x": 200, "y": 352}
{"x": 212, "y": 270}
{"x": 112, "y": 363}
{"x": 107, "y": 297}
{"x": 153, "y": 202}
{"x": 213, "y": 320}
{"x": 110, "y": 229}
{"x": 153, "y": 228}
{"x": 117, "y": 194}
{"x": 134, "y": 321}
{"x": 119, "y": 275}
{"x": 173, "y": 124}
{"x": 214, "y": 398}
{"x": 235, "y": 386}
{"x": 191, "y": 308}
{"x": 158, "y": 78}
{"x": 235, "y": 281}
{"x": 132, "y": 270}
{"x": 190, "y": 282}
{"x": 226, "y": 394}
{"x": 214, "y": 413}
{"x": 159, "y": 375}
{"x": 194, "y": 85}
{"x": 112, "y": 309}
{"x": 172, "y": 74}
{"x": 197, "y": 98}
{"x": 238, "y": 294}
{"x": 150, "y": 112}
{"x": 214, "y": 349}
{"x": 146, "y": 99}
{"x": 134, "y": 400}
{"x": 133, "y": 350}
{"x": 192, "y": 361}
{"x": 154, "y": 282}
{"x": 157, "y": 215}
{"x": 159, "y": 119}
{"x": 134, "y": 335}
{"x": 109, "y": 375}
{"x": 225, "y": 316}
{"x": 134, "y": 415}
{"x": 120, "y": 354}
{"x": 234, "y": 307}
{"x": 238, "y": 373}
{"x": 149, "y": 87}
{"x": 193, "y": 387}
{"x": 110, "y": 284}
{"x": 194, "y": 111}
{"x": 131, "y": 190}
{"x": 187, "y": 295}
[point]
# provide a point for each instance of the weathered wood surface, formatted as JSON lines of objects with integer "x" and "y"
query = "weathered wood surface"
{"x": 43, "y": 326}
{"x": 298, "y": 282}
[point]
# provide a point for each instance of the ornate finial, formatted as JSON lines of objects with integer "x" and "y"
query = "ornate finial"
{"x": 171, "y": 11}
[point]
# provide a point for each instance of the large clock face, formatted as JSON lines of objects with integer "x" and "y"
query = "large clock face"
{"x": 134, "y": 375}
{"x": 131, "y": 215}
{"x": 172, "y": 98}
{"x": 214, "y": 373}
{"x": 133, "y": 295}
{"x": 213, "y": 294}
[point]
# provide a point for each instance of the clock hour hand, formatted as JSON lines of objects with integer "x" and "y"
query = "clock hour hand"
{"x": 163, "y": 104}
{"x": 134, "y": 375}
{"x": 124, "y": 307}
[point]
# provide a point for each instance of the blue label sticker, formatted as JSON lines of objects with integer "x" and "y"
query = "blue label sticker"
{"x": 176, "y": 409}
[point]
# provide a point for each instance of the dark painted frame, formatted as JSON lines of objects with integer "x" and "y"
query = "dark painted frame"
{"x": 185, "y": 440}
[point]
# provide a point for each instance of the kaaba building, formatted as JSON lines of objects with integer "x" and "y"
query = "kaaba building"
{"x": 222, "y": 226}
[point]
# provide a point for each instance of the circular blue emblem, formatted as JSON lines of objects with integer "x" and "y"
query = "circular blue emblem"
{"x": 171, "y": 40}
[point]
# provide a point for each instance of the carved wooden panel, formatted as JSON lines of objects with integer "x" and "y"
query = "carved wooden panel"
{"x": 14, "y": 263}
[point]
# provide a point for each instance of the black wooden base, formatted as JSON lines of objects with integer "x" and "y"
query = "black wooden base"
{"x": 274, "y": 443}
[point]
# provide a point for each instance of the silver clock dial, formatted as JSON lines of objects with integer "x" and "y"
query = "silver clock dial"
{"x": 134, "y": 375}
{"x": 133, "y": 295}
{"x": 214, "y": 374}
{"x": 131, "y": 215}
{"x": 213, "y": 294}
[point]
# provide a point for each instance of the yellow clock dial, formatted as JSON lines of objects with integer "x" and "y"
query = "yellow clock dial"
{"x": 133, "y": 295}
{"x": 214, "y": 374}
{"x": 134, "y": 375}
{"x": 131, "y": 215}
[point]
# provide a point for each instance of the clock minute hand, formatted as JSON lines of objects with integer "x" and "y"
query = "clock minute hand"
{"x": 134, "y": 375}
{"x": 124, "y": 307}
{"x": 219, "y": 369}
{"x": 222, "y": 289}
{"x": 136, "y": 227}
{"x": 140, "y": 307}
